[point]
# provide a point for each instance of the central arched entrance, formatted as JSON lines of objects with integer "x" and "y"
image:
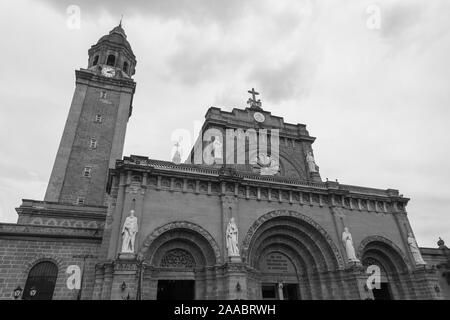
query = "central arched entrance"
{"x": 279, "y": 276}
{"x": 178, "y": 255}
{"x": 177, "y": 274}
{"x": 294, "y": 258}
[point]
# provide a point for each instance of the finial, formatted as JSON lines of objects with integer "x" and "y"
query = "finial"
{"x": 177, "y": 156}
{"x": 440, "y": 242}
{"x": 256, "y": 104}
{"x": 120, "y": 23}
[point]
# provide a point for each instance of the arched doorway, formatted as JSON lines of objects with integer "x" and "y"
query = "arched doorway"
{"x": 178, "y": 255}
{"x": 294, "y": 257}
{"x": 279, "y": 276}
{"x": 41, "y": 281}
{"x": 381, "y": 291}
{"x": 392, "y": 265}
{"x": 177, "y": 272}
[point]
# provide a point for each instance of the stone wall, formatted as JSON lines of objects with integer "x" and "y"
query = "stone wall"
{"x": 439, "y": 258}
{"x": 21, "y": 249}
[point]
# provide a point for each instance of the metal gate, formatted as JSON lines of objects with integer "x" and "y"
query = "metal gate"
{"x": 41, "y": 281}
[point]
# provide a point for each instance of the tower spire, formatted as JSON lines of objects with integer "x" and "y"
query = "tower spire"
{"x": 120, "y": 23}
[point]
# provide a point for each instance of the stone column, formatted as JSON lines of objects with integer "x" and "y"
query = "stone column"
{"x": 113, "y": 224}
{"x": 99, "y": 279}
{"x": 338, "y": 219}
{"x": 403, "y": 227}
{"x": 107, "y": 282}
{"x": 139, "y": 211}
{"x": 357, "y": 278}
{"x": 124, "y": 273}
{"x": 235, "y": 281}
{"x": 425, "y": 282}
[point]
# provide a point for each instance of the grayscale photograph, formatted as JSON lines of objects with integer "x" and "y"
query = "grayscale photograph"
{"x": 240, "y": 153}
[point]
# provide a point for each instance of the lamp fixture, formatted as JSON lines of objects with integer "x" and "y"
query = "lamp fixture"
{"x": 17, "y": 292}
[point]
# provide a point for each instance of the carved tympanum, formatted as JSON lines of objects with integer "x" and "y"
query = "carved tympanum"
{"x": 177, "y": 258}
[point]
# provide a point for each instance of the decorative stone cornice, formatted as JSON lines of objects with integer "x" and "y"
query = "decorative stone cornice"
{"x": 35, "y": 231}
{"x": 254, "y": 186}
{"x": 125, "y": 266}
{"x": 237, "y": 118}
{"x": 61, "y": 210}
{"x": 86, "y": 76}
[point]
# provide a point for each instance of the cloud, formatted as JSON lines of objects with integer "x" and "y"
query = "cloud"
{"x": 415, "y": 24}
{"x": 400, "y": 17}
{"x": 200, "y": 59}
{"x": 285, "y": 80}
{"x": 190, "y": 11}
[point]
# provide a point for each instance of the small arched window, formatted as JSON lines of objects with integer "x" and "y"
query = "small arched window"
{"x": 111, "y": 61}
{"x": 41, "y": 281}
{"x": 125, "y": 67}
{"x": 94, "y": 63}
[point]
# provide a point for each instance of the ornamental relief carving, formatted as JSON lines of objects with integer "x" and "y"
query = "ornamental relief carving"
{"x": 125, "y": 267}
{"x": 177, "y": 258}
{"x": 68, "y": 223}
{"x": 203, "y": 187}
{"x": 191, "y": 185}
{"x": 178, "y": 184}
{"x": 135, "y": 189}
{"x": 370, "y": 261}
{"x": 215, "y": 187}
{"x": 165, "y": 183}
{"x": 229, "y": 200}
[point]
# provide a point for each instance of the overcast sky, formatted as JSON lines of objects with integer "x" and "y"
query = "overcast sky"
{"x": 377, "y": 99}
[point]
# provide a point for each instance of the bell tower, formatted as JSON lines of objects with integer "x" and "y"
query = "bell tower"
{"x": 94, "y": 132}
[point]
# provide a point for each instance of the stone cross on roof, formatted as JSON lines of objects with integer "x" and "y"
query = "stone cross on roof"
{"x": 254, "y": 104}
{"x": 177, "y": 156}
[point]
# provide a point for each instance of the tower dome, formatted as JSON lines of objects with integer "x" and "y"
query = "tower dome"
{"x": 116, "y": 36}
{"x": 113, "y": 50}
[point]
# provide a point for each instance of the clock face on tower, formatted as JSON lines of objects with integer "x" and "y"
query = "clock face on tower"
{"x": 108, "y": 71}
{"x": 259, "y": 117}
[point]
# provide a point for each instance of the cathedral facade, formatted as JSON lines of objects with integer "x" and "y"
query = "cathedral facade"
{"x": 247, "y": 216}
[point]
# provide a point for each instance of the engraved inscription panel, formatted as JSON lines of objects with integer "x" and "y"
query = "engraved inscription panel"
{"x": 276, "y": 262}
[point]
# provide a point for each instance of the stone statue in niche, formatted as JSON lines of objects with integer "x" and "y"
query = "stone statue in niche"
{"x": 129, "y": 230}
{"x": 311, "y": 162}
{"x": 415, "y": 250}
{"x": 217, "y": 148}
{"x": 348, "y": 244}
{"x": 232, "y": 238}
